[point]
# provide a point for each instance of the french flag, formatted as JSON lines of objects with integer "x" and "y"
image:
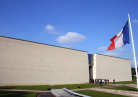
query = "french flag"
{"x": 121, "y": 39}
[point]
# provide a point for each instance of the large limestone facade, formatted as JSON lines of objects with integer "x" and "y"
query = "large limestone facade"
{"x": 28, "y": 63}
{"x": 108, "y": 67}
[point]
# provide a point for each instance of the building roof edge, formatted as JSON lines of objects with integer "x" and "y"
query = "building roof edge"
{"x": 41, "y": 43}
{"x": 110, "y": 56}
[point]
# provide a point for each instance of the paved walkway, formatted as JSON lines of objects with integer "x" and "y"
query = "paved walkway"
{"x": 132, "y": 85}
{"x": 61, "y": 93}
{"x": 119, "y": 92}
{"x": 45, "y": 94}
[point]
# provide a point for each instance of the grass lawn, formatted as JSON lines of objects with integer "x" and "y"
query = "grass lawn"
{"x": 45, "y": 87}
{"x": 17, "y": 94}
{"x": 98, "y": 94}
{"x": 123, "y": 82}
{"x": 124, "y": 88}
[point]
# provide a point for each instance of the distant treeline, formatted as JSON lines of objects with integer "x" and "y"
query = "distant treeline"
{"x": 133, "y": 71}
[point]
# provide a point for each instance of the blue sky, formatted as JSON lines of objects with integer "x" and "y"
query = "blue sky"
{"x": 86, "y": 25}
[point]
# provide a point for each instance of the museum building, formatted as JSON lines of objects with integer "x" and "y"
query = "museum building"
{"x": 30, "y": 63}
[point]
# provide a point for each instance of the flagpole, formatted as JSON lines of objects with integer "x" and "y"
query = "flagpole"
{"x": 133, "y": 50}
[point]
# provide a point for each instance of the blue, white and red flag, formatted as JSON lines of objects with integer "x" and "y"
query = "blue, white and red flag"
{"x": 121, "y": 39}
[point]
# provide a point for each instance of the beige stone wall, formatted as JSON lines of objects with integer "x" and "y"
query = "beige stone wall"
{"x": 28, "y": 63}
{"x": 108, "y": 67}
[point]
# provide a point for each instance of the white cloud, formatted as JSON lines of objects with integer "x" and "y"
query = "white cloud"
{"x": 70, "y": 37}
{"x": 50, "y": 29}
{"x": 135, "y": 21}
{"x": 120, "y": 49}
{"x": 112, "y": 54}
{"x": 67, "y": 46}
{"x": 102, "y": 48}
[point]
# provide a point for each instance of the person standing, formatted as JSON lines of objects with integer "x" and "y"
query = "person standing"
{"x": 108, "y": 81}
{"x": 102, "y": 81}
{"x": 97, "y": 81}
{"x": 92, "y": 80}
{"x": 114, "y": 81}
{"x": 105, "y": 81}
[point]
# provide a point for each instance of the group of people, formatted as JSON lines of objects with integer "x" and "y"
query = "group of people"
{"x": 100, "y": 81}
